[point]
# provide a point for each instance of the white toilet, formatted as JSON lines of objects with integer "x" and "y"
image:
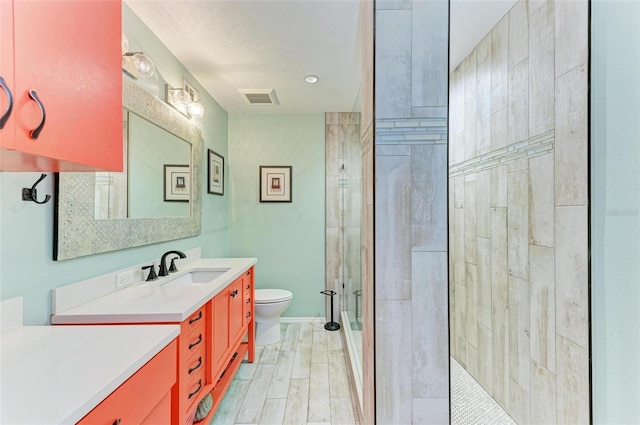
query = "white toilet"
{"x": 270, "y": 304}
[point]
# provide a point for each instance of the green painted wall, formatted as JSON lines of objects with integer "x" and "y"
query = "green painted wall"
{"x": 287, "y": 238}
{"x": 26, "y": 229}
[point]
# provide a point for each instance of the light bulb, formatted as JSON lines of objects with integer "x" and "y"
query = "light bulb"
{"x": 196, "y": 109}
{"x": 182, "y": 97}
{"x": 144, "y": 65}
{"x": 125, "y": 44}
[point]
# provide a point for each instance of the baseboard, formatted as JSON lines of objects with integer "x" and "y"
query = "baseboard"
{"x": 316, "y": 319}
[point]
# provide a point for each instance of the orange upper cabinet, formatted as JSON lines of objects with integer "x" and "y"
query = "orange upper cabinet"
{"x": 62, "y": 101}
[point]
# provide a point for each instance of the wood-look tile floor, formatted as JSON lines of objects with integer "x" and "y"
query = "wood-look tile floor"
{"x": 301, "y": 380}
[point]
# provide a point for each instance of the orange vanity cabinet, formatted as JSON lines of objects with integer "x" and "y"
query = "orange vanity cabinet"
{"x": 192, "y": 364}
{"x": 233, "y": 334}
{"x": 61, "y": 94}
{"x": 231, "y": 321}
{"x": 144, "y": 398}
{"x": 212, "y": 343}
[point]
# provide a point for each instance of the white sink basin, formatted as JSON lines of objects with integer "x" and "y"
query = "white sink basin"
{"x": 196, "y": 277}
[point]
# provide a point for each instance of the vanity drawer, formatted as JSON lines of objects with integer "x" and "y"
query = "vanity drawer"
{"x": 195, "y": 363}
{"x": 192, "y": 344}
{"x": 195, "y": 384}
{"x": 141, "y": 396}
{"x": 247, "y": 296}
{"x": 195, "y": 322}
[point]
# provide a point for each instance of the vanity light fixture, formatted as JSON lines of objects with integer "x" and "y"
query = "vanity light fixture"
{"x": 125, "y": 44}
{"x": 185, "y": 100}
{"x": 135, "y": 64}
{"x": 311, "y": 79}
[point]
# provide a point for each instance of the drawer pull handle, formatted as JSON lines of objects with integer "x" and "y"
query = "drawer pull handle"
{"x": 248, "y": 300}
{"x": 248, "y": 314}
{"x": 197, "y": 389}
{"x": 195, "y": 319}
{"x": 117, "y": 421}
{"x": 196, "y": 343}
{"x": 36, "y": 131}
{"x": 248, "y": 272}
{"x": 196, "y": 367}
{"x": 7, "y": 113}
{"x": 248, "y": 286}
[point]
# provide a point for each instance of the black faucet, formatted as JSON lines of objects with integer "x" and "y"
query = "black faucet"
{"x": 163, "y": 262}
{"x": 152, "y": 273}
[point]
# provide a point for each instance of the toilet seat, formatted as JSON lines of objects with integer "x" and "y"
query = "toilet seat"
{"x": 270, "y": 296}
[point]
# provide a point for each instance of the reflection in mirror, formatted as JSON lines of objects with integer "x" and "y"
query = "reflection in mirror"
{"x": 140, "y": 191}
{"x": 112, "y": 194}
{"x": 79, "y": 233}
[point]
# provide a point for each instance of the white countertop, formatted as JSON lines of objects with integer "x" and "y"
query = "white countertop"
{"x": 151, "y": 302}
{"x": 58, "y": 374}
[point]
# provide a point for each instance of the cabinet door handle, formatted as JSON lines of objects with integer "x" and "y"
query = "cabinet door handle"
{"x": 234, "y": 293}
{"x": 196, "y": 367}
{"x": 248, "y": 300}
{"x": 195, "y": 319}
{"x": 248, "y": 286}
{"x": 117, "y": 421}
{"x": 197, "y": 389}
{"x": 7, "y": 113}
{"x": 248, "y": 314}
{"x": 36, "y": 131}
{"x": 196, "y": 343}
{"x": 248, "y": 272}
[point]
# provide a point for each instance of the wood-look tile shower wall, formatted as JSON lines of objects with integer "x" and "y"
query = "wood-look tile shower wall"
{"x": 518, "y": 212}
{"x": 410, "y": 154}
{"x": 343, "y": 169}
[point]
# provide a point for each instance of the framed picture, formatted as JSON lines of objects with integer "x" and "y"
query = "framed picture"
{"x": 177, "y": 183}
{"x": 275, "y": 183}
{"x": 215, "y": 173}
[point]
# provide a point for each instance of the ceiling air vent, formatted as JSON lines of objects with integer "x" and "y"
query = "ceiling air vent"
{"x": 260, "y": 96}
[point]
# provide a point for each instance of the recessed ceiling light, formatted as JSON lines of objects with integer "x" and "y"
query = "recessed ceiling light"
{"x": 311, "y": 79}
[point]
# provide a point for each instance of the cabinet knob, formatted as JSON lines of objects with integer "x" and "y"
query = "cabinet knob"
{"x": 7, "y": 113}
{"x": 117, "y": 421}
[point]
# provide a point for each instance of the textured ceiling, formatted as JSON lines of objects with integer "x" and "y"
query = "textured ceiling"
{"x": 259, "y": 44}
{"x": 231, "y": 45}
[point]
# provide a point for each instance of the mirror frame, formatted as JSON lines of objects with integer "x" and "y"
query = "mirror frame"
{"x": 76, "y": 231}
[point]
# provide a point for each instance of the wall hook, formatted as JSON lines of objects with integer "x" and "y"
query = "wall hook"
{"x": 31, "y": 194}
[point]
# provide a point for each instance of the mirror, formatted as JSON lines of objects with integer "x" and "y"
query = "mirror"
{"x": 78, "y": 233}
{"x": 147, "y": 187}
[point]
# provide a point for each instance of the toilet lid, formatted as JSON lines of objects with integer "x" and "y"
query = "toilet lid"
{"x": 265, "y": 296}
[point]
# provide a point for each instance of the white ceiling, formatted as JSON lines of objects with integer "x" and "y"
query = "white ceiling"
{"x": 272, "y": 44}
{"x": 264, "y": 44}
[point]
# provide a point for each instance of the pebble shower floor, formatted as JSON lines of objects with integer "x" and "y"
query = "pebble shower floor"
{"x": 471, "y": 404}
